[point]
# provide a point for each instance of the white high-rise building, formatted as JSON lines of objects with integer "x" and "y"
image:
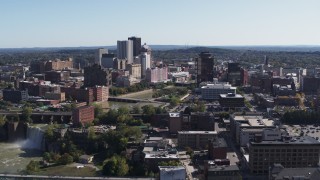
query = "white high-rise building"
{"x": 145, "y": 57}
{"x": 98, "y": 55}
{"x": 125, "y": 50}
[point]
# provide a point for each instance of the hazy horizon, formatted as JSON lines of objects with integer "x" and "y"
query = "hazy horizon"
{"x": 82, "y": 23}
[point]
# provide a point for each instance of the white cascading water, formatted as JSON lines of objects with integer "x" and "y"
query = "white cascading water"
{"x": 34, "y": 139}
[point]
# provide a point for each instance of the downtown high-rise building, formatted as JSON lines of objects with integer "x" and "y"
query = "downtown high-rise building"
{"x": 145, "y": 57}
{"x": 136, "y": 45}
{"x": 125, "y": 50}
{"x": 205, "y": 67}
{"x": 98, "y": 55}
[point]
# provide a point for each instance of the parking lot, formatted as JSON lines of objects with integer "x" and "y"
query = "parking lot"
{"x": 304, "y": 130}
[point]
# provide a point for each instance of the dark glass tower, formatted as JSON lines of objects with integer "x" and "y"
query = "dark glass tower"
{"x": 205, "y": 67}
{"x": 136, "y": 45}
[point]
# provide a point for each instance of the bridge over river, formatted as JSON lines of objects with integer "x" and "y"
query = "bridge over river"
{"x": 43, "y": 116}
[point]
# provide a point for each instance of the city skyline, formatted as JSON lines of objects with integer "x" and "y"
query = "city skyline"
{"x": 73, "y": 23}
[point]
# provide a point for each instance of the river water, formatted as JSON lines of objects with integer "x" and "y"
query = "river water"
{"x": 13, "y": 158}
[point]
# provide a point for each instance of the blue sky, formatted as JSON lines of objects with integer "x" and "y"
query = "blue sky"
{"x": 61, "y": 23}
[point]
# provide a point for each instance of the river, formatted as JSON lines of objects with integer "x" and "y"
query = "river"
{"x": 13, "y": 158}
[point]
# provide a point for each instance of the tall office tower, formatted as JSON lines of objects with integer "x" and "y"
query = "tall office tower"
{"x": 234, "y": 74}
{"x": 125, "y": 50}
{"x": 108, "y": 60}
{"x": 136, "y": 45}
{"x": 145, "y": 57}
{"x": 205, "y": 67}
{"x": 98, "y": 55}
{"x": 266, "y": 60}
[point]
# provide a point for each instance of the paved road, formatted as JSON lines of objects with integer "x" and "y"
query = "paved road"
{"x": 189, "y": 168}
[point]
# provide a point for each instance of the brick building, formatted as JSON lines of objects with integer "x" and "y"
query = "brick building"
{"x": 157, "y": 75}
{"x": 83, "y": 115}
{"x": 38, "y": 67}
{"x": 175, "y": 122}
{"x": 195, "y": 139}
{"x": 237, "y": 76}
{"x": 195, "y": 121}
{"x": 57, "y": 76}
{"x": 81, "y": 95}
{"x": 217, "y": 149}
{"x": 96, "y": 76}
{"x": 14, "y": 96}
{"x": 61, "y": 96}
{"x": 231, "y": 100}
{"x": 100, "y": 93}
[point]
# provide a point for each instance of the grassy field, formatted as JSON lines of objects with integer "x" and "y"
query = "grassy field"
{"x": 146, "y": 94}
{"x": 67, "y": 171}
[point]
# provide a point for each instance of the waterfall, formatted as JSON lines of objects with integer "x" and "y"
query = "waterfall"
{"x": 34, "y": 139}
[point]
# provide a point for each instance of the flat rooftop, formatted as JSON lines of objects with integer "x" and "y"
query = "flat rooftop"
{"x": 304, "y": 140}
{"x": 223, "y": 168}
{"x": 231, "y": 96}
{"x": 256, "y": 121}
{"x": 219, "y": 142}
{"x": 197, "y": 132}
{"x": 174, "y": 114}
{"x": 218, "y": 86}
{"x": 161, "y": 156}
{"x": 170, "y": 168}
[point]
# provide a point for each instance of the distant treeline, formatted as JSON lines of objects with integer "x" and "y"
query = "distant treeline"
{"x": 301, "y": 117}
{"x": 281, "y": 58}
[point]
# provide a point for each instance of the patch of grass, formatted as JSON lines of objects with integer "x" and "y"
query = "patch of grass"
{"x": 67, "y": 171}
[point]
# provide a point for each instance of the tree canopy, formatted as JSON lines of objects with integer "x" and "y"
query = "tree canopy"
{"x": 115, "y": 166}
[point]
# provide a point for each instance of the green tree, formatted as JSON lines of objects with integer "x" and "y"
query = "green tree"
{"x": 32, "y": 167}
{"x": 98, "y": 111}
{"x": 130, "y": 131}
{"x": 15, "y": 118}
{"x": 115, "y": 166}
{"x": 55, "y": 157}
{"x": 174, "y": 101}
{"x": 49, "y": 134}
{"x": 91, "y": 134}
{"x": 160, "y": 110}
{"x": 136, "y": 109}
{"x": 47, "y": 157}
{"x": 66, "y": 159}
{"x": 26, "y": 114}
{"x": 112, "y": 116}
{"x": 189, "y": 151}
{"x": 148, "y": 110}
{"x": 124, "y": 118}
{"x": 135, "y": 122}
{"x": 201, "y": 107}
{"x": 3, "y": 120}
{"x": 123, "y": 110}
{"x": 169, "y": 163}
